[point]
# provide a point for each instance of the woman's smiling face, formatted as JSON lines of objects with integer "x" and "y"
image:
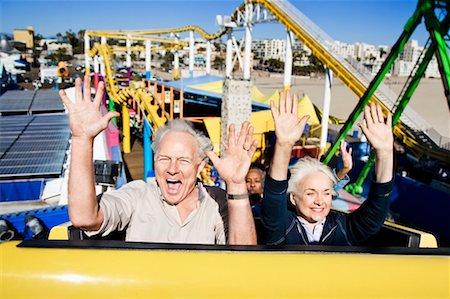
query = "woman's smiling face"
{"x": 313, "y": 197}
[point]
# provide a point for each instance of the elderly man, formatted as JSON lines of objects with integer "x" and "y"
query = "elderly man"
{"x": 173, "y": 207}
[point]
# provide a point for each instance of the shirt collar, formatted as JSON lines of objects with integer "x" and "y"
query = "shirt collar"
{"x": 316, "y": 233}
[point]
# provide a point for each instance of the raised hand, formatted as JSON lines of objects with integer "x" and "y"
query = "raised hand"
{"x": 85, "y": 118}
{"x": 347, "y": 160}
{"x": 378, "y": 132}
{"x": 234, "y": 165}
{"x": 288, "y": 128}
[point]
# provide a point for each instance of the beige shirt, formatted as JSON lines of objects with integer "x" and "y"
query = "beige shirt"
{"x": 139, "y": 208}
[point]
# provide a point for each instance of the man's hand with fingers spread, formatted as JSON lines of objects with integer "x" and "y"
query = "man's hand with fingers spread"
{"x": 85, "y": 118}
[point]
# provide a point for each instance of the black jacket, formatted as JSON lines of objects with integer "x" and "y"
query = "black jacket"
{"x": 283, "y": 227}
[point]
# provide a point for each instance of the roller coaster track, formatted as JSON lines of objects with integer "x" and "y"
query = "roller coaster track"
{"x": 411, "y": 126}
{"x": 133, "y": 35}
{"x": 123, "y": 96}
{"x": 412, "y": 129}
{"x": 197, "y": 29}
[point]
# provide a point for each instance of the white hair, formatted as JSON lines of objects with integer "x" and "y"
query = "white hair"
{"x": 305, "y": 166}
{"x": 178, "y": 125}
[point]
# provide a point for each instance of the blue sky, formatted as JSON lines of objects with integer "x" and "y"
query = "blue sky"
{"x": 371, "y": 21}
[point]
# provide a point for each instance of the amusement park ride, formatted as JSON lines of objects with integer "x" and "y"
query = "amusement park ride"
{"x": 65, "y": 267}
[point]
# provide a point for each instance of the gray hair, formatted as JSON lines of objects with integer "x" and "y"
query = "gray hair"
{"x": 179, "y": 125}
{"x": 260, "y": 171}
{"x": 305, "y": 166}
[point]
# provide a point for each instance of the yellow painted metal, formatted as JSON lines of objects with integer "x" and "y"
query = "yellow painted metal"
{"x": 176, "y": 74}
{"x": 132, "y": 49}
{"x": 122, "y": 95}
{"x": 124, "y": 36}
{"x": 427, "y": 240}
{"x": 197, "y": 29}
{"x": 113, "y": 273}
{"x": 59, "y": 232}
{"x": 126, "y": 130}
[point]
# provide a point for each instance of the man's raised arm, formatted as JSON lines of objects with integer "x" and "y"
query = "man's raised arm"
{"x": 233, "y": 168}
{"x": 86, "y": 122}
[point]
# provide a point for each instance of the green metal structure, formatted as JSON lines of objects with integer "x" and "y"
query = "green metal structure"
{"x": 437, "y": 21}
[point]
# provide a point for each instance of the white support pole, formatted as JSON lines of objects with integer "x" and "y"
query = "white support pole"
{"x": 258, "y": 12}
{"x": 128, "y": 62}
{"x": 102, "y": 62}
{"x": 248, "y": 41}
{"x": 96, "y": 65}
{"x": 208, "y": 57}
{"x": 237, "y": 50}
{"x": 288, "y": 62}
{"x": 87, "y": 47}
{"x": 176, "y": 58}
{"x": 326, "y": 107}
{"x": 191, "y": 54}
{"x": 229, "y": 58}
{"x": 148, "y": 58}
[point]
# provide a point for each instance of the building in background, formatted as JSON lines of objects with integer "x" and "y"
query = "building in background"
{"x": 407, "y": 61}
{"x": 25, "y": 36}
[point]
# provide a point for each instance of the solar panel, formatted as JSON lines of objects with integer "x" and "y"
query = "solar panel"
{"x": 18, "y": 94}
{"x": 27, "y": 101}
{"x": 35, "y": 161}
{"x": 16, "y": 101}
{"x": 34, "y": 145}
{"x": 46, "y": 100}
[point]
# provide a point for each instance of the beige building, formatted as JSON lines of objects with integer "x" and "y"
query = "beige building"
{"x": 25, "y": 36}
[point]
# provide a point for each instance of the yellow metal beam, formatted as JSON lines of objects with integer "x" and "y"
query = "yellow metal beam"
{"x": 120, "y": 35}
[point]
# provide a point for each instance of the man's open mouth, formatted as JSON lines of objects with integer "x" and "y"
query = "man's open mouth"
{"x": 173, "y": 185}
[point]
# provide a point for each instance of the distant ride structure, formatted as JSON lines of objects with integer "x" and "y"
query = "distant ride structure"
{"x": 147, "y": 103}
{"x": 410, "y": 128}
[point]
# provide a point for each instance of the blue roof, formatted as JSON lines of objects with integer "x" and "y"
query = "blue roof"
{"x": 188, "y": 86}
{"x": 183, "y": 83}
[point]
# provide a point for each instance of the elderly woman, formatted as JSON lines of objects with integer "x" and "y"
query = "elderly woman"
{"x": 311, "y": 186}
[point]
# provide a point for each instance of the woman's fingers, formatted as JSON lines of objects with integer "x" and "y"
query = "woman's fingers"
{"x": 282, "y": 102}
{"x": 380, "y": 114}
{"x": 288, "y": 101}
{"x": 295, "y": 105}
{"x": 274, "y": 110}
{"x": 389, "y": 119}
